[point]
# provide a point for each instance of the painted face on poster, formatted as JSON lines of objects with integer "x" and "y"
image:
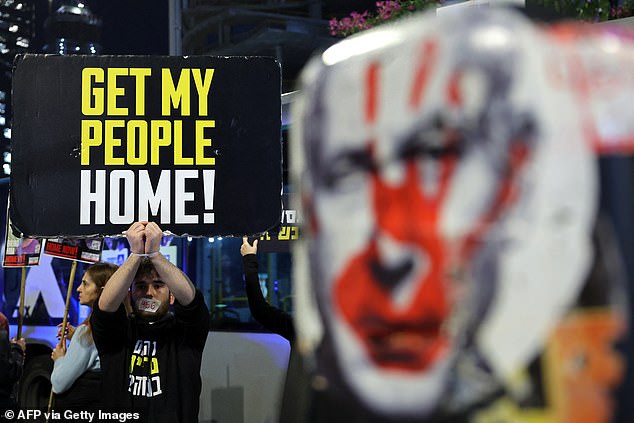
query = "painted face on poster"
{"x": 419, "y": 170}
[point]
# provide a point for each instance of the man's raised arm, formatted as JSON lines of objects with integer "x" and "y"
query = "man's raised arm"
{"x": 177, "y": 282}
{"x": 119, "y": 283}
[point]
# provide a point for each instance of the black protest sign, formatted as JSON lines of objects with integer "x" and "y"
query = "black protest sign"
{"x": 191, "y": 143}
{"x": 86, "y": 250}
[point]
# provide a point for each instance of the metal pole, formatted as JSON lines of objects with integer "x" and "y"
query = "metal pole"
{"x": 175, "y": 28}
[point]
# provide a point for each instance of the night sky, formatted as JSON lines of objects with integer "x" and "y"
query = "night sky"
{"x": 133, "y": 26}
{"x": 128, "y": 26}
{"x": 141, "y": 26}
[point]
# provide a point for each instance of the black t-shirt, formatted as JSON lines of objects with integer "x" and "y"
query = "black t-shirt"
{"x": 153, "y": 367}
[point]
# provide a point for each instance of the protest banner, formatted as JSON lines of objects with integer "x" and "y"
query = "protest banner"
{"x": 20, "y": 252}
{"x": 85, "y": 250}
{"x": 99, "y": 142}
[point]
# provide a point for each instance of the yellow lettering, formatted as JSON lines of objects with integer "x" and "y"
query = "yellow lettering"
{"x": 202, "y": 142}
{"x": 90, "y": 137}
{"x": 161, "y": 136}
{"x": 114, "y": 92}
{"x": 90, "y": 93}
{"x": 139, "y": 76}
{"x": 111, "y": 142}
{"x": 203, "y": 89}
{"x": 284, "y": 234}
{"x": 138, "y": 142}
{"x": 137, "y": 127}
{"x": 154, "y": 366}
{"x": 178, "y": 145}
{"x": 175, "y": 96}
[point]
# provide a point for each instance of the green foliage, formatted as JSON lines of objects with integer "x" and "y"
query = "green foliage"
{"x": 590, "y": 10}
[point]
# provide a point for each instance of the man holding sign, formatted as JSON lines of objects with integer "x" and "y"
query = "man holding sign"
{"x": 152, "y": 358}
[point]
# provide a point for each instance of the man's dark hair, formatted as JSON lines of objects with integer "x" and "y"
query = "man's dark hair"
{"x": 145, "y": 268}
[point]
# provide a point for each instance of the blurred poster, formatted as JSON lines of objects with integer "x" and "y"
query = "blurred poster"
{"x": 455, "y": 263}
{"x": 85, "y": 250}
{"x": 19, "y": 252}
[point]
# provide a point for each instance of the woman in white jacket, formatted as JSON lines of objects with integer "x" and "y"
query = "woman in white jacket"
{"x": 76, "y": 377}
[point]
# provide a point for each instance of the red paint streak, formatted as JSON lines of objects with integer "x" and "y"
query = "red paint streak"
{"x": 428, "y": 57}
{"x": 372, "y": 90}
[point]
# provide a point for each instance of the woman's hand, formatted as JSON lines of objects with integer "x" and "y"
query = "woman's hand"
{"x": 58, "y": 352}
{"x": 70, "y": 331}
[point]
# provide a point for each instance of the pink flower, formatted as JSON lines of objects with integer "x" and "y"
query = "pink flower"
{"x": 333, "y": 26}
{"x": 345, "y": 24}
{"x": 386, "y": 8}
{"x": 359, "y": 20}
